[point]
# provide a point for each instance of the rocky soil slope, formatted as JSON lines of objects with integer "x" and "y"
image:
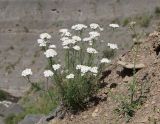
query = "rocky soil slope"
{"x": 118, "y": 79}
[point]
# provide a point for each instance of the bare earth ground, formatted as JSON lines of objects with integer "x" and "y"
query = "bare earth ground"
{"x": 21, "y": 22}
{"x": 150, "y": 110}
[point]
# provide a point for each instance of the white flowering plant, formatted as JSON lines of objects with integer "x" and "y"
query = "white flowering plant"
{"x": 76, "y": 77}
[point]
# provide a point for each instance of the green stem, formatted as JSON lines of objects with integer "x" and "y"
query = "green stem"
{"x": 133, "y": 85}
{"x": 49, "y": 94}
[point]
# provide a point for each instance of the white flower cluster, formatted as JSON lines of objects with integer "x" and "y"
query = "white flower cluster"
{"x": 76, "y": 48}
{"x": 114, "y": 25}
{"x": 79, "y": 27}
{"x": 41, "y": 42}
{"x": 94, "y": 70}
{"x": 94, "y": 34}
{"x": 65, "y": 47}
{"x": 64, "y": 32}
{"x": 44, "y": 37}
{"x": 26, "y": 72}
{"x": 52, "y": 46}
{"x": 67, "y": 41}
{"x": 48, "y": 73}
{"x": 70, "y": 76}
{"x": 105, "y": 60}
{"x": 91, "y": 50}
{"x": 50, "y": 53}
{"x": 87, "y": 39}
{"x": 113, "y": 46}
{"x": 95, "y": 26}
{"x": 76, "y": 38}
{"x": 56, "y": 66}
{"x": 84, "y": 69}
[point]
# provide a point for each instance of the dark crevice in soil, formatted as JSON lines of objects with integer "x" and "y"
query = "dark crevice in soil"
{"x": 105, "y": 74}
{"x": 157, "y": 50}
{"x": 6, "y": 96}
{"x": 126, "y": 72}
{"x": 113, "y": 85}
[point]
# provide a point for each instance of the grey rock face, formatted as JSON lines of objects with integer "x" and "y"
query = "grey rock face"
{"x": 1, "y": 120}
{"x": 31, "y": 119}
{"x": 12, "y": 109}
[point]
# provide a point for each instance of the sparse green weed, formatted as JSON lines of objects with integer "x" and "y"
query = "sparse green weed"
{"x": 133, "y": 100}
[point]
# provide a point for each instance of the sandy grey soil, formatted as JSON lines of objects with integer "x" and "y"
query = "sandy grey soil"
{"x": 21, "y": 22}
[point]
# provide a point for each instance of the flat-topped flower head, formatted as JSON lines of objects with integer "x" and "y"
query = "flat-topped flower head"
{"x": 87, "y": 39}
{"x": 91, "y": 50}
{"x": 95, "y": 26}
{"x": 76, "y": 48}
{"x": 66, "y": 47}
{"x": 65, "y": 32}
{"x": 52, "y": 46}
{"x": 48, "y": 73}
{"x": 94, "y": 34}
{"x": 50, "y": 53}
{"x": 27, "y": 72}
{"x": 70, "y": 76}
{"x": 45, "y": 36}
{"x": 105, "y": 60}
{"x": 76, "y": 38}
{"x": 56, "y": 66}
{"x": 79, "y": 27}
{"x": 68, "y": 41}
{"x": 113, "y": 46}
{"x": 114, "y": 25}
{"x": 41, "y": 42}
{"x": 64, "y": 38}
{"x": 83, "y": 68}
{"x": 94, "y": 70}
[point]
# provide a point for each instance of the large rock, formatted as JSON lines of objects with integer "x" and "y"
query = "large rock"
{"x": 11, "y": 109}
{"x": 31, "y": 119}
{"x": 1, "y": 120}
{"x": 130, "y": 65}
